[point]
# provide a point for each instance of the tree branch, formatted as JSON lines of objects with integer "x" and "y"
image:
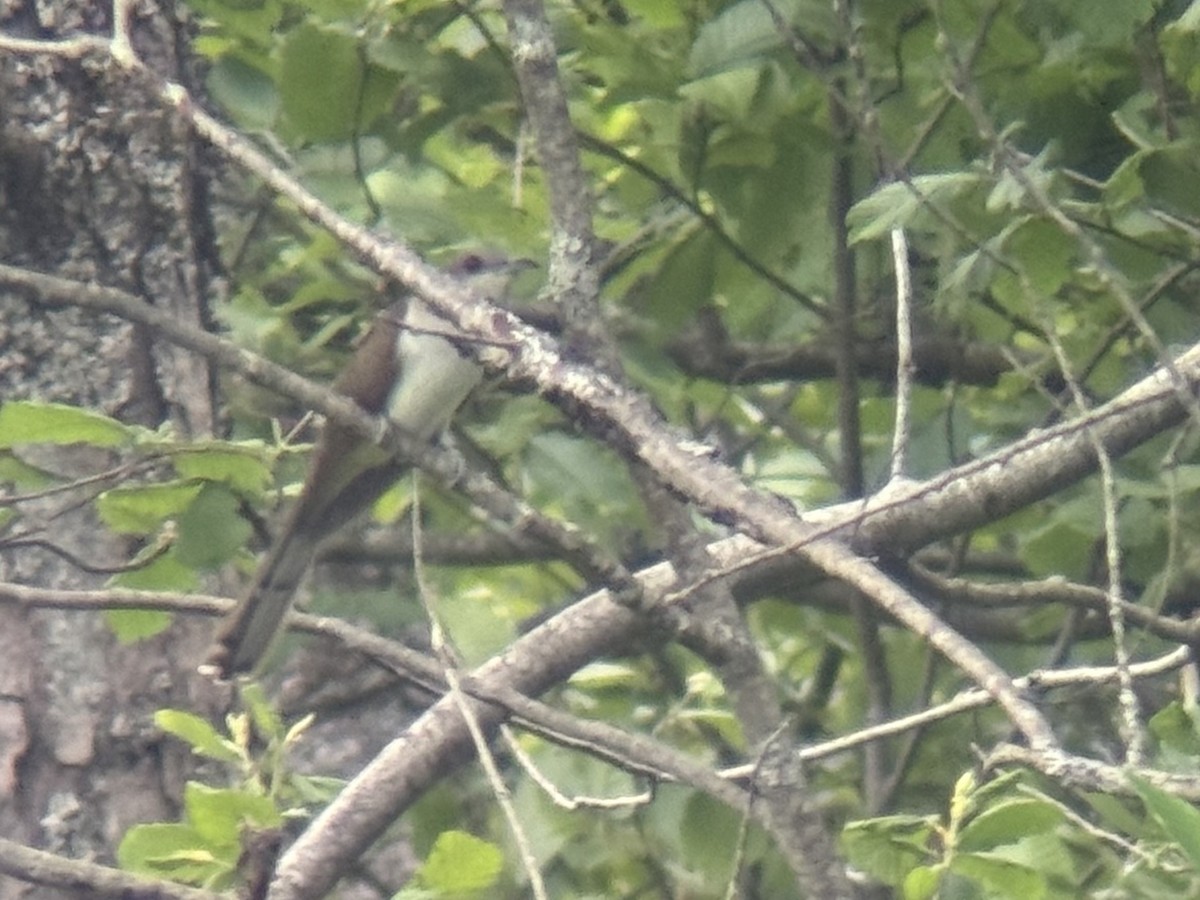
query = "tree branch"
{"x": 87, "y": 879}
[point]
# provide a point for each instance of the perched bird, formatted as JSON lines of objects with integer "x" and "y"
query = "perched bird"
{"x": 407, "y": 367}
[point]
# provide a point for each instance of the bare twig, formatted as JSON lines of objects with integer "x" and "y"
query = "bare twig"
{"x": 557, "y": 797}
{"x": 78, "y": 562}
{"x": 973, "y": 699}
{"x": 1070, "y": 771}
{"x": 449, "y": 658}
{"x": 1053, "y": 590}
{"x": 904, "y": 354}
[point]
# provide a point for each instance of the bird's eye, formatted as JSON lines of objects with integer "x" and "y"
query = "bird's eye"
{"x": 471, "y": 264}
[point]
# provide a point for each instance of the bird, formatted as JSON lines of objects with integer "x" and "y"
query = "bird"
{"x": 409, "y": 367}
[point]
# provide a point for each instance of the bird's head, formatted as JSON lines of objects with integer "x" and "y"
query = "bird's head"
{"x": 487, "y": 273}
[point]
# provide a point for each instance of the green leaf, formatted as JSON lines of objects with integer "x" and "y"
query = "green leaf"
{"x": 1178, "y": 818}
{"x": 1181, "y": 49}
{"x": 889, "y": 847}
{"x": 476, "y": 621}
{"x": 606, "y": 499}
{"x": 658, "y": 14}
{"x": 797, "y": 474}
{"x": 22, "y": 475}
{"x": 922, "y": 882}
{"x": 1124, "y": 187}
{"x": 905, "y": 205}
{"x": 1052, "y": 854}
{"x": 585, "y": 774}
{"x": 167, "y": 849}
{"x": 1000, "y": 877}
{"x": 1176, "y": 732}
{"x": 142, "y": 510}
{"x": 460, "y": 863}
{"x": 1044, "y": 253}
{"x": 415, "y": 892}
{"x": 732, "y": 96}
{"x": 163, "y": 573}
{"x": 326, "y": 85}
{"x": 218, "y": 814}
{"x": 319, "y": 81}
{"x": 684, "y": 282}
{"x": 745, "y": 31}
{"x": 196, "y": 732}
{"x": 247, "y": 93}
{"x": 1063, "y": 543}
{"x": 1110, "y": 22}
{"x": 242, "y": 467}
{"x": 1171, "y": 177}
{"x": 1008, "y": 822}
{"x": 709, "y": 834}
{"x": 210, "y": 529}
{"x": 1115, "y": 814}
{"x": 131, "y": 625}
{"x": 252, "y": 20}
{"x": 600, "y": 676}
{"x": 316, "y": 790}
{"x": 474, "y": 166}
{"x": 1010, "y": 193}
{"x": 718, "y": 721}
{"x": 26, "y": 422}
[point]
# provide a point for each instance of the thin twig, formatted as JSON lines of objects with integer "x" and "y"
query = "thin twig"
{"x": 449, "y": 657}
{"x": 974, "y": 699}
{"x": 557, "y": 797}
{"x": 905, "y": 369}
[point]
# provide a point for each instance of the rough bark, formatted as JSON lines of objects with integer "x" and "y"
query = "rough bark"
{"x": 95, "y": 184}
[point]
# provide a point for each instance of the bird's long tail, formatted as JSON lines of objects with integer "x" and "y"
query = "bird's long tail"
{"x": 246, "y": 633}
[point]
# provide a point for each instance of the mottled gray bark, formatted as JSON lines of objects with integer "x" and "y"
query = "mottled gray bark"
{"x": 97, "y": 184}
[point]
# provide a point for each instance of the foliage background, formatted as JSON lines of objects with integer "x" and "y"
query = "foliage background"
{"x": 746, "y": 164}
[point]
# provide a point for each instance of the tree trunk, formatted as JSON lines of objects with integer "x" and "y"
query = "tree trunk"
{"x": 98, "y": 184}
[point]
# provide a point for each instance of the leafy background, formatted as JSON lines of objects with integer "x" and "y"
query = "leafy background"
{"x": 1042, "y": 159}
